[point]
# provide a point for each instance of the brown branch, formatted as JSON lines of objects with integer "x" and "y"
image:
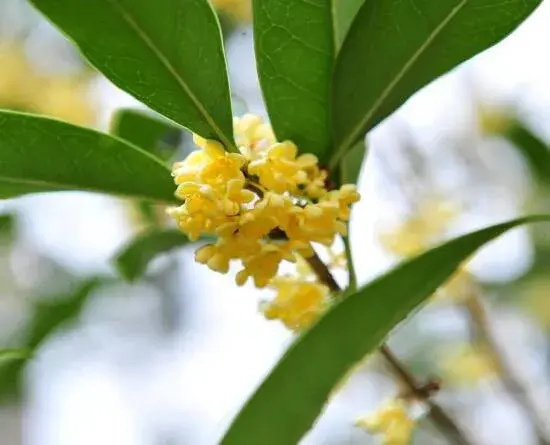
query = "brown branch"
{"x": 436, "y": 413}
{"x": 322, "y": 272}
{"x": 482, "y": 330}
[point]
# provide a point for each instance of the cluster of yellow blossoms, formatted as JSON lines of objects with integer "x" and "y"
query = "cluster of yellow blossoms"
{"x": 421, "y": 231}
{"x": 468, "y": 364}
{"x": 23, "y": 87}
{"x": 392, "y": 421}
{"x": 264, "y": 204}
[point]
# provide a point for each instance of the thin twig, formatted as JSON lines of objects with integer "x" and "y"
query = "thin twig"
{"x": 436, "y": 413}
{"x": 322, "y": 272}
{"x": 481, "y": 327}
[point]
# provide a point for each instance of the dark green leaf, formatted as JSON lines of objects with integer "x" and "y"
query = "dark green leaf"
{"x": 535, "y": 151}
{"x": 133, "y": 259}
{"x": 143, "y": 129}
{"x": 42, "y": 155}
{"x": 343, "y": 13}
{"x": 287, "y": 403}
{"x": 166, "y": 53}
{"x": 352, "y": 164}
{"x": 294, "y": 53}
{"x": 49, "y": 315}
{"x": 45, "y": 319}
{"x": 396, "y": 47}
{"x": 7, "y": 224}
{"x": 10, "y": 355}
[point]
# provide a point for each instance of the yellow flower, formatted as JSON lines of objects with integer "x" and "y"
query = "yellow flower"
{"x": 392, "y": 421}
{"x": 214, "y": 257}
{"x": 190, "y": 169}
{"x": 280, "y": 170}
{"x": 298, "y": 303}
{"x": 345, "y": 197}
{"x": 303, "y": 269}
{"x": 238, "y": 10}
{"x": 193, "y": 226}
{"x": 459, "y": 287}
{"x": 315, "y": 222}
{"x": 263, "y": 265}
{"x": 315, "y": 187}
{"x": 337, "y": 260}
{"x": 200, "y": 199}
{"x": 535, "y": 299}
{"x": 252, "y": 135}
{"x": 262, "y": 224}
{"x": 224, "y": 165}
{"x": 467, "y": 365}
{"x": 18, "y": 80}
{"x": 66, "y": 99}
{"x": 22, "y": 87}
{"x": 421, "y": 230}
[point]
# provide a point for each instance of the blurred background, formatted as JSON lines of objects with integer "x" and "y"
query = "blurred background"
{"x": 170, "y": 358}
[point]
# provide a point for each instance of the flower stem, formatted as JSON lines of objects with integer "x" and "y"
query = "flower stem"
{"x": 437, "y": 414}
{"x": 352, "y": 276}
{"x": 480, "y": 325}
{"x": 322, "y": 272}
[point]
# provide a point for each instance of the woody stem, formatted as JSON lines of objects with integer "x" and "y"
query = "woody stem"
{"x": 437, "y": 414}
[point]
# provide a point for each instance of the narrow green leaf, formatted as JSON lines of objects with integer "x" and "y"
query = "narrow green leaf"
{"x": 143, "y": 129}
{"x": 352, "y": 164}
{"x": 396, "y": 47}
{"x": 294, "y": 54}
{"x": 10, "y": 355}
{"x": 7, "y": 223}
{"x": 287, "y": 403}
{"x": 49, "y": 315}
{"x": 343, "y": 13}
{"x": 43, "y": 155}
{"x": 133, "y": 259}
{"x": 535, "y": 151}
{"x": 46, "y": 318}
{"x": 166, "y": 53}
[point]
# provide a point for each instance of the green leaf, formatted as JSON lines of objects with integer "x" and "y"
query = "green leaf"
{"x": 396, "y": 47}
{"x": 287, "y": 403}
{"x": 352, "y": 164}
{"x": 166, "y": 53}
{"x": 295, "y": 55}
{"x": 46, "y": 318}
{"x": 535, "y": 151}
{"x": 147, "y": 131}
{"x": 133, "y": 259}
{"x": 43, "y": 155}
{"x": 10, "y": 355}
{"x": 343, "y": 13}
{"x": 7, "y": 225}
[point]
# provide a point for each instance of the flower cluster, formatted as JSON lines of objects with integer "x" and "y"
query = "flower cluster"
{"x": 468, "y": 365}
{"x": 423, "y": 229}
{"x": 298, "y": 302}
{"x": 24, "y": 87}
{"x": 392, "y": 421}
{"x": 263, "y": 205}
